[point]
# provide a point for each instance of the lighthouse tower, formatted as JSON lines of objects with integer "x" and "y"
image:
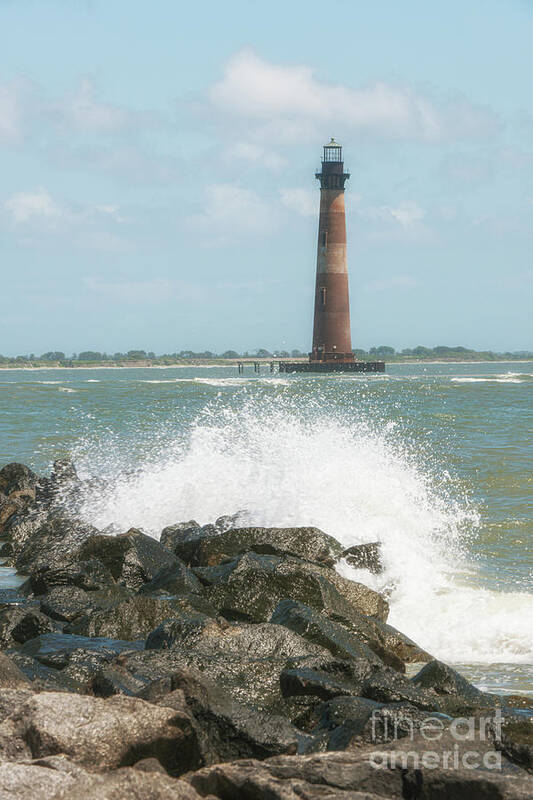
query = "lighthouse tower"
{"x": 332, "y": 340}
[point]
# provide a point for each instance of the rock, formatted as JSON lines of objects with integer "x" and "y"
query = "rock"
{"x": 58, "y": 649}
{"x": 244, "y": 660}
{"x": 9, "y": 508}
{"x": 12, "y": 699}
{"x": 68, "y": 663}
{"x": 65, "y": 603}
{"x": 365, "y": 556}
{"x": 451, "y": 766}
{"x": 21, "y": 526}
{"x": 393, "y": 647}
{"x": 44, "y": 678}
{"x": 6, "y": 548}
{"x": 18, "y": 480}
{"x": 310, "y": 544}
{"x": 455, "y": 694}
{"x": 349, "y": 713}
{"x": 307, "y": 777}
{"x": 173, "y": 579}
{"x": 64, "y": 472}
{"x": 517, "y": 741}
{"x": 251, "y": 586}
{"x": 229, "y": 521}
{"x": 317, "y": 683}
{"x": 317, "y": 628}
{"x": 226, "y": 729}
{"x": 101, "y": 734}
{"x": 28, "y": 781}
{"x": 134, "y": 784}
{"x": 10, "y": 675}
{"x": 90, "y": 575}
{"x": 20, "y": 623}
{"x": 49, "y": 541}
{"x": 174, "y": 534}
{"x": 388, "y": 686}
{"x": 133, "y": 618}
{"x": 133, "y": 558}
{"x": 512, "y": 701}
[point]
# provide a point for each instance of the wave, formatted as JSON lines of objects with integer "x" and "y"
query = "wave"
{"x": 492, "y": 379}
{"x": 222, "y": 381}
{"x": 293, "y": 462}
{"x": 66, "y": 389}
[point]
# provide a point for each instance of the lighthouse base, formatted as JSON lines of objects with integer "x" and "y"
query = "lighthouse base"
{"x": 332, "y": 366}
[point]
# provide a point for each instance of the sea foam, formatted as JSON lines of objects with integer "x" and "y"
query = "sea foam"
{"x": 290, "y": 462}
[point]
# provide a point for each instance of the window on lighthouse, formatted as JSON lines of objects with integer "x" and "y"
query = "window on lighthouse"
{"x": 323, "y": 295}
{"x": 324, "y": 238}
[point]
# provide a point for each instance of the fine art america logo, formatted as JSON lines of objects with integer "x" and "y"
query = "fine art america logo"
{"x": 465, "y": 742}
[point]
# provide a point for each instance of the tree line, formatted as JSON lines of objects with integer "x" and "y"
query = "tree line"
{"x": 383, "y": 352}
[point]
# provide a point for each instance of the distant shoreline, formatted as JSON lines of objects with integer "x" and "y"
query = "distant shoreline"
{"x": 213, "y": 363}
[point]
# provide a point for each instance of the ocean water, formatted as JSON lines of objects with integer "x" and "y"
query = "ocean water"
{"x": 432, "y": 460}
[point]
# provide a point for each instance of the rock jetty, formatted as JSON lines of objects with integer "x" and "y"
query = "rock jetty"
{"x": 224, "y": 662}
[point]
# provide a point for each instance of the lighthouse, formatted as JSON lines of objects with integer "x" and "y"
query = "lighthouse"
{"x": 332, "y": 339}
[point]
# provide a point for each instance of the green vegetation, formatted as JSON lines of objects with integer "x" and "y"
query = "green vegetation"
{"x": 92, "y": 358}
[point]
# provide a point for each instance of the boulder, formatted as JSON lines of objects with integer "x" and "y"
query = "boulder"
{"x": 349, "y": 713}
{"x": 455, "y": 694}
{"x": 173, "y": 579}
{"x": 49, "y": 540}
{"x": 317, "y": 628}
{"x": 9, "y": 508}
{"x": 44, "y": 678}
{"x": 365, "y": 556}
{"x": 174, "y": 534}
{"x": 307, "y": 777}
{"x": 12, "y": 699}
{"x": 134, "y": 784}
{"x": 65, "y": 603}
{"x": 10, "y": 675}
{"x": 18, "y": 480}
{"x": 388, "y": 686}
{"x": 251, "y": 586}
{"x": 135, "y": 617}
{"x": 90, "y": 575}
{"x": 132, "y": 558}
{"x": 516, "y": 741}
{"x": 29, "y": 780}
{"x": 244, "y": 660}
{"x": 316, "y": 683}
{"x": 227, "y": 729}
{"x": 58, "y": 649}
{"x": 20, "y": 623}
{"x": 100, "y": 734}
{"x": 392, "y": 646}
{"x": 310, "y": 544}
{"x": 63, "y": 472}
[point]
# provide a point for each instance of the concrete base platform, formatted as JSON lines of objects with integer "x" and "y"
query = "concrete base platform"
{"x": 332, "y": 366}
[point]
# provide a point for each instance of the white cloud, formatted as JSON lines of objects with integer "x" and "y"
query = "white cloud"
{"x": 254, "y": 153}
{"x": 302, "y": 201}
{"x": 232, "y": 212}
{"x": 285, "y": 100}
{"x": 36, "y": 214}
{"x": 84, "y": 112}
{"x": 407, "y": 213}
{"x": 27, "y": 206}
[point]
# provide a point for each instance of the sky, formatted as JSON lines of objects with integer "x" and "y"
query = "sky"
{"x": 157, "y": 169}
